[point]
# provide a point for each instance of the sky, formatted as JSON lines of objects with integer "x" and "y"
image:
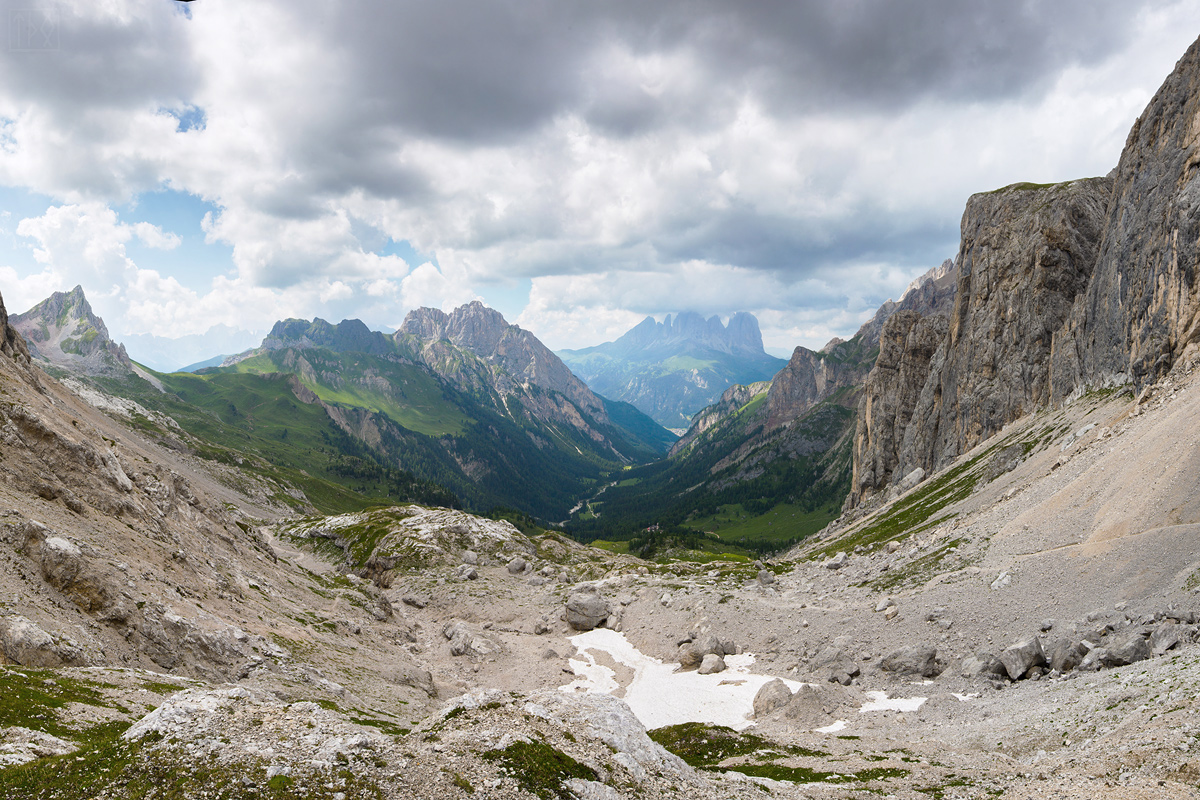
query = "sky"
{"x": 576, "y": 165}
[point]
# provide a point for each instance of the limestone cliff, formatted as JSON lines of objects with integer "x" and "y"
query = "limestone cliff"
{"x": 1141, "y": 312}
{"x": 1084, "y": 284}
{"x": 11, "y": 342}
{"x": 1026, "y": 254}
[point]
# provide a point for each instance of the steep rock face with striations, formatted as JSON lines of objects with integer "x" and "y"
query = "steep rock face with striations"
{"x": 907, "y": 344}
{"x": 508, "y": 360}
{"x": 810, "y": 378}
{"x": 12, "y": 344}
{"x": 1026, "y": 254}
{"x": 1141, "y": 312}
{"x": 63, "y": 330}
{"x": 522, "y": 360}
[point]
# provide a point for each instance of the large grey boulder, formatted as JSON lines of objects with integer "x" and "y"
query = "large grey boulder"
{"x": 22, "y": 642}
{"x": 710, "y": 664}
{"x": 1064, "y": 655}
{"x": 773, "y": 696}
{"x": 981, "y": 665}
{"x": 586, "y": 610}
{"x": 915, "y": 660}
{"x": 1130, "y": 649}
{"x": 1019, "y": 658}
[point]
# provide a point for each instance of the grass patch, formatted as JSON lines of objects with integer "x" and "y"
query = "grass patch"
{"x": 540, "y": 769}
{"x": 708, "y": 747}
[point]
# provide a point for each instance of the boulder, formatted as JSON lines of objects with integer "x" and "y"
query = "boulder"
{"x": 516, "y": 566}
{"x": 914, "y": 660}
{"x": 586, "y": 610}
{"x": 1130, "y": 649}
{"x": 1165, "y": 637}
{"x": 1064, "y": 655}
{"x": 22, "y": 642}
{"x": 711, "y": 663}
{"x": 412, "y": 676}
{"x": 773, "y": 696}
{"x": 838, "y": 561}
{"x": 470, "y": 557}
{"x": 766, "y": 577}
{"x": 981, "y": 665}
{"x": 1019, "y": 657}
{"x": 808, "y": 707}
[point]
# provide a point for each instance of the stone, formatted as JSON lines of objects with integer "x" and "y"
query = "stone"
{"x": 516, "y": 566}
{"x": 1130, "y": 649}
{"x": 1165, "y": 637}
{"x": 766, "y": 577}
{"x": 414, "y": 600}
{"x": 712, "y": 663}
{"x": 1064, "y": 655}
{"x": 891, "y": 612}
{"x": 586, "y": 610}
{"x": 470, "y": 557}
{"x": 838, "y": 561}
{"x": 982, "y": 665}
{"x": 914, "y": 660}
{"x": 412, "y": 676}
{"x": 809, "y": 707}
{"x": 1019, "y": 657}
{"x": 773, "y": 696}
{"x": 24, "y": 643}
{"x": 884, "y": 604}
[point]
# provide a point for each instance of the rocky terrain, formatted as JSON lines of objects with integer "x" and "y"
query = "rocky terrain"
{"x": 63, "y": 330}
{"x": 1061, "y": 289}
{"x": 1028, "y": 615}
{"x": 1016, "y": 616}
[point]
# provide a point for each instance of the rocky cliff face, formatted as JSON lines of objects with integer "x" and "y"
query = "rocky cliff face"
{"x": 1061, "y": 288}
{"x": 522, "y": 360}
{"x": 12, "y": 344}
{"x": 1141, "y": 312}
{"x": 63, "y": 330}
{"x": 1027, "y": 252}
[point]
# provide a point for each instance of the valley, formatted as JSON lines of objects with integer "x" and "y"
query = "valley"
{"x": 955, "y": 556}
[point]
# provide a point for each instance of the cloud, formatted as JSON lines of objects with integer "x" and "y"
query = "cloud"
{"x": 792, "y": 158}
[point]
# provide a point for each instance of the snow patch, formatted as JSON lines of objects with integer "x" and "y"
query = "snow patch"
{"x": 657, "y": 694}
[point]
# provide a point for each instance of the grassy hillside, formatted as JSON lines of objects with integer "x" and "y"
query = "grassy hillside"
{"x": 736, "y": 488}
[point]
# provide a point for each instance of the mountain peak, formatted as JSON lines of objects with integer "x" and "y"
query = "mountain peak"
{"x": 63, "y": 330}
{"x": 349, "y": 335}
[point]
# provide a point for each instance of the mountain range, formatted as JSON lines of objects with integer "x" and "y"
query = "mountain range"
{"x": 671, "y": 369}
{"x": 463, "y": 401}
{"x": 1005, "y": 606}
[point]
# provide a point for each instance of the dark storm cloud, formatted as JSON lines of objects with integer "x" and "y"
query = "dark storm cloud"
{"x": 480, "y": 69}
{"x": 783, "y": 245}
{"x": 80, "y": 61}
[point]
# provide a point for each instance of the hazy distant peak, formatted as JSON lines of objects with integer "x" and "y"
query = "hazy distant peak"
{"x": 740, "y": 335}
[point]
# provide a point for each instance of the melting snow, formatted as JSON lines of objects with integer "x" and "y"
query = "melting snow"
{"x": 880, "y": 702}
{"x": 657, "y": 694}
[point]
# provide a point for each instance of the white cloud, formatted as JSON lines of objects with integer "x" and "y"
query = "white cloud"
{"x": 626, "y": 174}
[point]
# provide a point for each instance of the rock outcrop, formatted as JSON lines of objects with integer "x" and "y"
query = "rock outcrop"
{"x": 1090, "y": 283}
{"x": 939, "y": 387}
{"x": 63, "y": 330}
{"x": 1141, "y": 311}
{"x": 12, "y": 344}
